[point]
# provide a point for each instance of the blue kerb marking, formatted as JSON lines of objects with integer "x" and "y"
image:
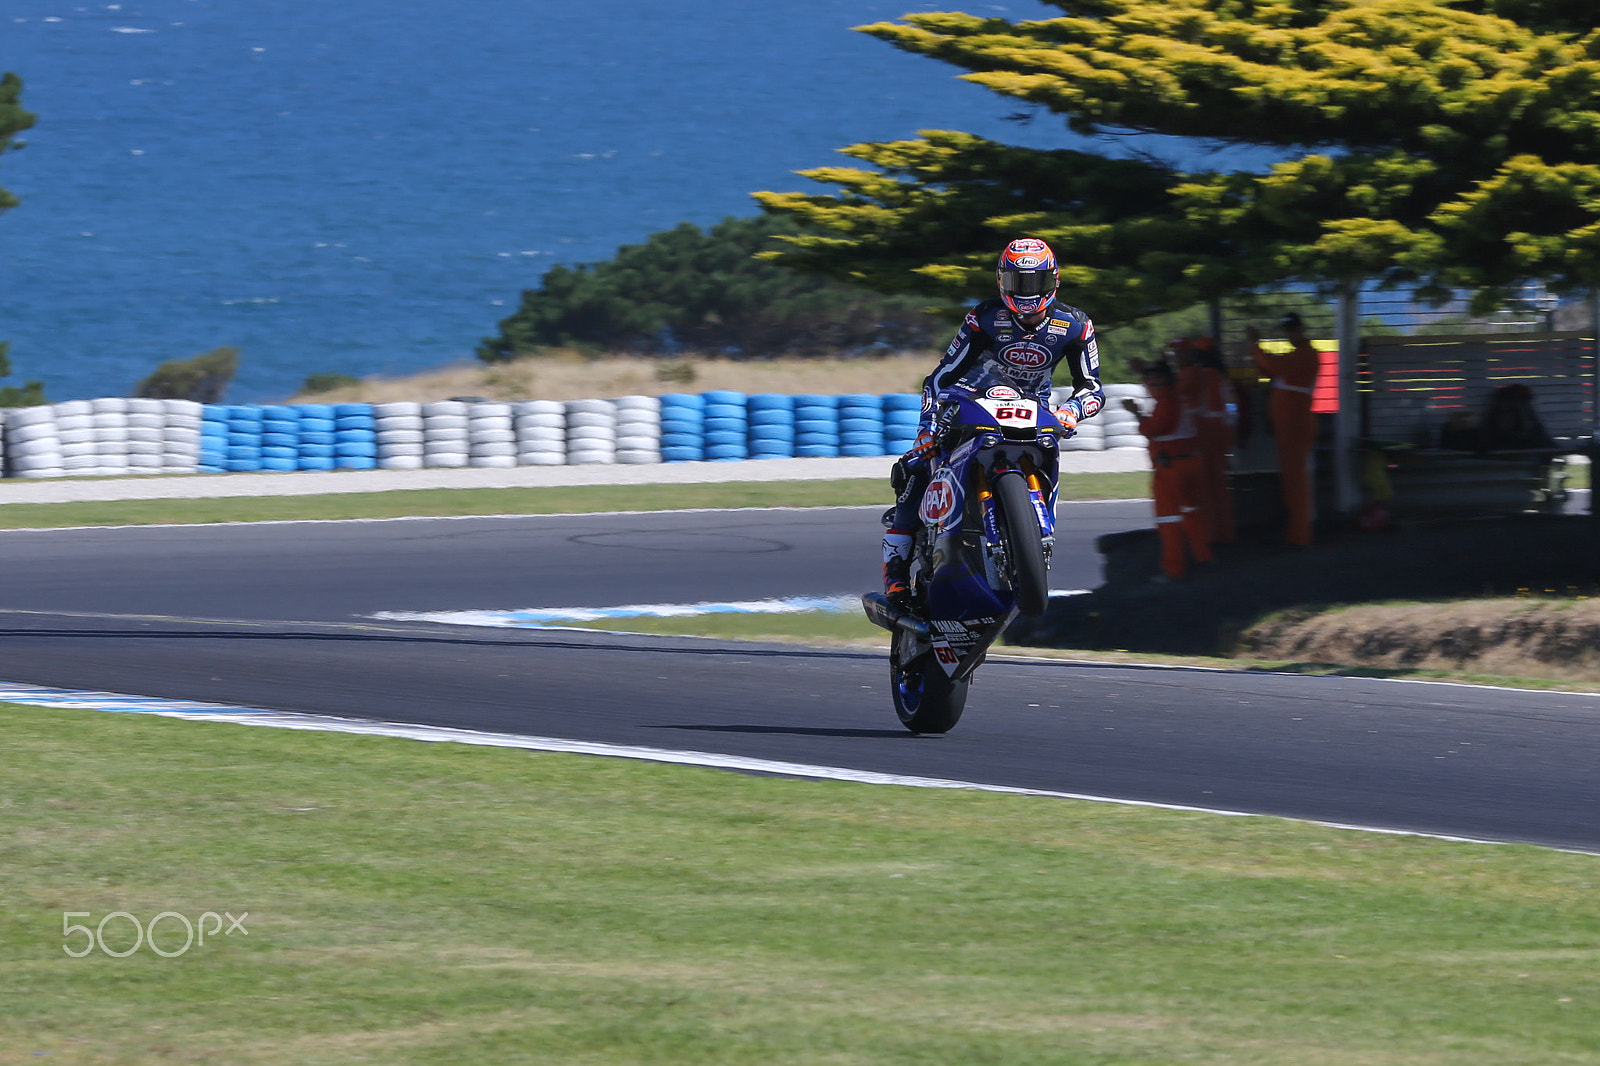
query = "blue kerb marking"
{"x": 535, "y": 617}
{"x": 88, "y": 699}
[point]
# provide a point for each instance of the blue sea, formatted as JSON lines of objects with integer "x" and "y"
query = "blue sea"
{"x": 366, "y": 186}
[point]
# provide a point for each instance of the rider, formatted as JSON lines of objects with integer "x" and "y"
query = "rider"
{"x": 1022, "y": 336}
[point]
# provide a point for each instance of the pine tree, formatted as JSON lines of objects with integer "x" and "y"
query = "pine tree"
{"x": 1427, "y": 142}
{"x": 13, "y": 120}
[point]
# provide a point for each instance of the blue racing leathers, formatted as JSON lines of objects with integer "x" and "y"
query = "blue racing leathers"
{"x": 992, "y": 337}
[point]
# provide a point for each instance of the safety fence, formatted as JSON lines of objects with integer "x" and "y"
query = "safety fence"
{"x": 115, "y": 436}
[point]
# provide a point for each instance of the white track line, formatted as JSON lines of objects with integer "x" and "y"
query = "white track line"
{"x": 209, "y": 712}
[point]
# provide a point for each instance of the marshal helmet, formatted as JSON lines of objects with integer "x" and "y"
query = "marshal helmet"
{"x": 1027, "y": 276}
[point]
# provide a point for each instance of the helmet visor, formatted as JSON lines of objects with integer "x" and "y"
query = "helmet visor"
{"x": 1026, "y": 283}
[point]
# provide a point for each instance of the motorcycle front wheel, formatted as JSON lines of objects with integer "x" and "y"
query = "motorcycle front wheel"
{"x": 925, "y": 697}
{"x": 1024, "y": 543}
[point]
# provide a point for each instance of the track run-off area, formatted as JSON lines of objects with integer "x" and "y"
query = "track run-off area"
{"x": 284, "y": 617}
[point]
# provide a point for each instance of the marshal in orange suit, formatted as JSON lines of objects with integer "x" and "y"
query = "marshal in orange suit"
{"x": 1294, "y": 426}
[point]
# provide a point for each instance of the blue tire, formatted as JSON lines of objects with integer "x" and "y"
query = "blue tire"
{"x": 272, "y": 462}
{"x": 724, "y": 439}
{"x": 314, "y": 462}
{"x": 680, "y": 454}
{"x": 682, "y": 425}
{"x": 770, "y": 401}
{"x": 816, "y": 451}
{"x": 861, "y": 451}
{"x": 316, "y": 438}
{"x": 355, "y": 450}
{"x": 772, "y": 416}
{"x": 355, "y": 462}
{"x": 316, "y": 410}
{"x": 871, "y": 426}
{"x": 726, "y": 451}
{"x": 316, "y": 451}
{"x": 280, "y": 440}
{"x": 829, "y": 403}
{"x": 727, "y": 396}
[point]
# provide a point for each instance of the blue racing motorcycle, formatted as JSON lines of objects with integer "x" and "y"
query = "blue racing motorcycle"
{"x": 983, "y": 553}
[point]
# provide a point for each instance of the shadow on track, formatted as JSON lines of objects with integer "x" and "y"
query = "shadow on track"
{"x": 804, "y": 731}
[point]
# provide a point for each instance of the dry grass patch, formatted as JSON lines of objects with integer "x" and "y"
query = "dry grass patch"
{"x": 1551, "y": 638}
{"x": 569, "y": 376}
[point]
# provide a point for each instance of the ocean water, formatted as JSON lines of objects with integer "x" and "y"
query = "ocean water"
{"x": 366, "y": 186}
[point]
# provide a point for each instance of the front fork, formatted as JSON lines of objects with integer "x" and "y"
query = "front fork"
{"x": 1040, "y": 494}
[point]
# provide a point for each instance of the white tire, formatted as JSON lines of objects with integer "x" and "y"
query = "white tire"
{"x": 144, "y": 447}
{"x": 75, "y": 422}
{"x": 490, "y": 410}
{"x": 587, "y": 419}
{"x": 494, "y": 449}
{"x": 590, "y": 407}
{"x": 401, "y": 462}
{"x": 488, "y": 435}
{"x": 400, "y": 409}
{"x": 497, "y": 461}
{"x": 591, "y": 458}
{"x": 73, "y": 408}
{"x": 388, "y": 450}
{"x": 145, "y": 420}
{"x": 82, "y": 447}
{"x": 546, "y": 421}
{"x": 142, "y": 433}
{"x": 637, "y": 456}
{"x": 436, "y": 422}
{"x": 182, "y": 408}
{"x": 139, "y": 405}
{"x": 400, "y": 424}
{"x": 400, "y": 436}
{"x": 541, "y": 459}
{"x": 637, "y": 403}
{"x": 554, "y": 434}
{"x": 137, "y": 461}
{"x": 31, "y": 448}
{"x": 445, "y": 409}
{"x": 75, "y": 436}
{"x": 640, "y": 442}
{"x": 109, "y": 405}
{"x": 444, "y": 459}
{"x": 540, "y": 407}
{"x": 31, "y": 416}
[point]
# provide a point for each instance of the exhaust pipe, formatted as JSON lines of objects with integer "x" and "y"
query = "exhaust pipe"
{"x": 880, "y": 612}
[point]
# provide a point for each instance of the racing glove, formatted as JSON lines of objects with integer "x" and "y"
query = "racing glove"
{"x": 916, "y": 456}
{"x": 1068, "y": 414}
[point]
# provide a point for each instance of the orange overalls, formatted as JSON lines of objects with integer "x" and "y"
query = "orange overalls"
{"x": 1216, "y": 441}
{"x": 1294, "y": 429}
{"x": 1175, "y": 457}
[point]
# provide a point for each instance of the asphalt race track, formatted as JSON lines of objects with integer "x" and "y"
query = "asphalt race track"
{"x": 275, "y": 616}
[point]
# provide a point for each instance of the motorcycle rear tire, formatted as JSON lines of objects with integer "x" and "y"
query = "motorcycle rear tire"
{"x": 925, "y": 697}
{"x": 1024, "y": 543}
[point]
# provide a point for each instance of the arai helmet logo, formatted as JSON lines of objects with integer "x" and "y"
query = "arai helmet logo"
{"x": 1026, "y": 262}
{"x": 939, "y": 501}
{"x": 1003, "y": 392}
{"x": 1026, "y": 356}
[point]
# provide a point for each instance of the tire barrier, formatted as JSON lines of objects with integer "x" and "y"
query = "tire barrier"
{"x": 638, "y": 429}
{"x": 683, "y": 427}
{"x": 541, "y": 428}
{"x": 114, "y": 435}
{"x": 398, "y": 427}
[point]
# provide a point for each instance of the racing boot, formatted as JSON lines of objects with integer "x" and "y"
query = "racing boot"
{"x": 897, "y": 569}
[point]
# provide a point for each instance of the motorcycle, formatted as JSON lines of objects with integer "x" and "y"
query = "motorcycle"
{"x": 983, "y": 552}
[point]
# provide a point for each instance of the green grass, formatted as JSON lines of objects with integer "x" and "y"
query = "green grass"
{"x": 441, "y": 502}
{"x": 433, "y": 903}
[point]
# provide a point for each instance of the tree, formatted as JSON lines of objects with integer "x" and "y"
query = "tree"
{"x": 29, "y": 395}
{"x": 13, "y": 120}
{"x": 1433, "y": 143}
{"x": 204, "y": 378}
{"x": 705, "y": 290}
